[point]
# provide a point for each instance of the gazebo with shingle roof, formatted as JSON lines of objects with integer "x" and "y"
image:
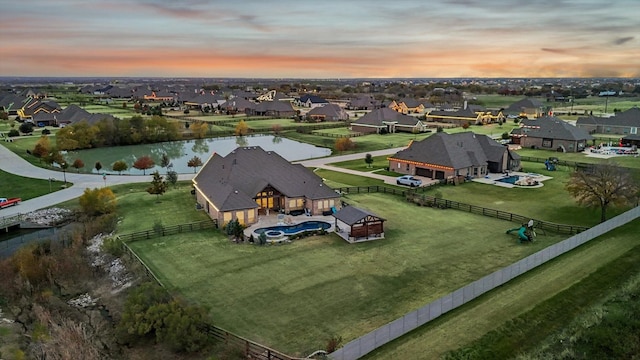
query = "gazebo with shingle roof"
{"x": 362, "y": 225}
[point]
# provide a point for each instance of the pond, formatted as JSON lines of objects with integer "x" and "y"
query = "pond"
{"x": 181, "y": 151}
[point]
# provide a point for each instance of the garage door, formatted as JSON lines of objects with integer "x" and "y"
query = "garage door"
{"x": 439, "y": 175}
{"x": 424, "y": 172}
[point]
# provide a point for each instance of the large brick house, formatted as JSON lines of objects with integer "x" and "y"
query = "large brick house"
{"x": 622, "y": 123}
{"x": 551, "y": 133}
{"x": 388, "y": 120}
{"x": 250, "y": 181}
{"x": 445, "y": 156}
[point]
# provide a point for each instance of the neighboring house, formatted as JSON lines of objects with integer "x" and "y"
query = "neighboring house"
{"x": 160, "y": 95}
{"x": 625, "y": 122}
{"x": 446, "y": 156}
{"x": 275, "y": 108}
{"x": 527, "y": 107}
{"x": 460, "y": 117}
{"x": 250, "y": 182}
{"x": 552, "y": 133}
{"x": 407, "y": 106}
{"x": 329, "y": 112}
{"x": 237, "y": 105}
{"x": 11, "y": 103}
{"x": 364, "y": 102}
{"x": 74, "y": 114}
{"x": 206, "y": 100}
{"x": 311, "y": 101}
{"x": 388, "y": 120}
{"x": 120, "y": 93}
{"x": 33, "y": 106}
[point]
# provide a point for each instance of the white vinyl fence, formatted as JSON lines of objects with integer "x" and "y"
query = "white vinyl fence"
{"x": 384, "y": 334}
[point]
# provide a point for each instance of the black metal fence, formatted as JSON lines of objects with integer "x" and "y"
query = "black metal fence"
{"x": 430, "y": 201}
{"x": 168, "y": 230}
{"x": 251, "y": 349}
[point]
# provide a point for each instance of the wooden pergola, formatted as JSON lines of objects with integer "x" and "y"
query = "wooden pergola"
{"x": 361, "y": 224}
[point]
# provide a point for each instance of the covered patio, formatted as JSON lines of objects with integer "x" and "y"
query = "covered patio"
{"x": 357, "y": 225}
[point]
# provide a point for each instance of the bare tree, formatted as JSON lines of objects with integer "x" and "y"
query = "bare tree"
{"x": 602, "y": 185}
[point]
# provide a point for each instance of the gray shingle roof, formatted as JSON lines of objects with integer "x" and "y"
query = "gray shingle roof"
{"x": 629, "y": 118}
{"x": 457, "y": 151}
{"x": 378, "y": 116}
{"x": 526, "y": 103}
{"x": 231, "y": 182}
{"x": 553, "y": 128}
{"x": 351, "y": 215}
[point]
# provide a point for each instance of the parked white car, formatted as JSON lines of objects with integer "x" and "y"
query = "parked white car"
{"x": 408, "y": 180}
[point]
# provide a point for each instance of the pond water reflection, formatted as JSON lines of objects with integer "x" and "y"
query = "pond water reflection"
{"x": 181, "y": 151}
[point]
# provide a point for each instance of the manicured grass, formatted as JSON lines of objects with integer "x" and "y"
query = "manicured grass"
{"x": 25, "y": 188}
{"x": 141, "y": 211}
{"x": 295, "y": 296}
{"x": 495, "y": 101}
{"x": 379, "y": 162}
{"x": 493, "y": 310}
{"x": 339, "y": 179}
{"x": 21, "y": 145}
{"x": 550, "y": 202}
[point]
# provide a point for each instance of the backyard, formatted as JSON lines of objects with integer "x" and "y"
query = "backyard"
{"x": 283, "y": 300}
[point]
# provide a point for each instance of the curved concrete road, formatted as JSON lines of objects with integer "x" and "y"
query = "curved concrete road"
{"x": 14, "y": 164}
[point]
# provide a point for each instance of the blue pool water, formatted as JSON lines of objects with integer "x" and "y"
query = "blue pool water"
{"x": 294, "y": 229}
{"x": 509, "y": 179}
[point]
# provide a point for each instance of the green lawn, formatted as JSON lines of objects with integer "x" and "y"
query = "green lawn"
{"x": 295, "y": 296}
{"x": 25, "y": 188}
{"x": 526, "y": 310}
{"x": 558, "y": 206}
{"x": 142, "y": 210}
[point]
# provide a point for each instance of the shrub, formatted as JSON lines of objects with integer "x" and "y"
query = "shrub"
{"x": 505, "y": 135}
{"x": 112, "y": 246}
{"x": 26, "y": 128}
{"x": 465, "y": 125}
{"x": 439, "y": 129}
{"x": 46, "y": 131}
{"x": 13, "y": 133}
{"x": 98, "y": 201}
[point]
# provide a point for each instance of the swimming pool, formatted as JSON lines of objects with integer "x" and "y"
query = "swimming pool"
{"x": 294, "y": 229}
{"x": 509, "y": 179}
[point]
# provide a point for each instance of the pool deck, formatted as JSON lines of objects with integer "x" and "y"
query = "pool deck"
{"x": 491, "y": 179}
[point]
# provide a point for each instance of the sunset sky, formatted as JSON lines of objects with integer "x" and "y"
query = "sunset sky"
{"x": 320, "y": 39}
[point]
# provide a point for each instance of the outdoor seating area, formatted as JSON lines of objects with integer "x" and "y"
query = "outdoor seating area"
{"x": 514, "y": 179}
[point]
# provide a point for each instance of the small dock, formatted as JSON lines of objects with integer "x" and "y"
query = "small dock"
{"x": 10, "y": 222}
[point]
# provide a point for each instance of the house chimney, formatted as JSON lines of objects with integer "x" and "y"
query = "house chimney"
{"x": 465, "y": 105}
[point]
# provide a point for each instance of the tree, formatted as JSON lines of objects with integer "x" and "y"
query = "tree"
{"x": 165, "y": 161}
{"x": 77, "y": 164}
{"x": 276, "y": 128}
{"x": 199, "y": 129}
{"x": 242, "y": 128}
{"x": 42, "y": 147}
{"x": 172, "y": 177}
{"x": 368, "y": 159}
{"x": 194, "y": 162}
{"x": 158, "y": 185}
{"x": 26, "y": 128}
{"x": 344, "y": 144}
{"x": 98, "y": 166}
{"x": 143, "y": 163}
{"x": 96, "y": 201}
{"x": 602, "y": 185}
{"x": 119, "y": 166}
